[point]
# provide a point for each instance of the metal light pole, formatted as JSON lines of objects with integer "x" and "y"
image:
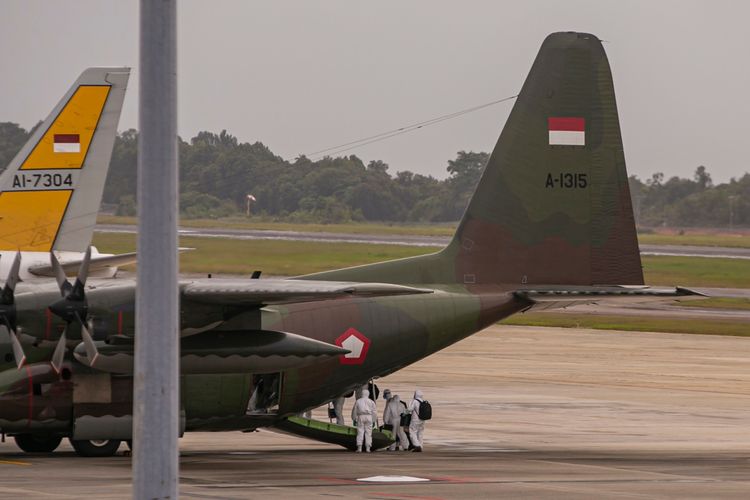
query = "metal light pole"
{"x": 732, "y": 199}
{"x": 156, "y": 391}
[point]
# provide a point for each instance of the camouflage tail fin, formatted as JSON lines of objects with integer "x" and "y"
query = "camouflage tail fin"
{"x": 553, "y": 205}
{"x": 52, "y": 189}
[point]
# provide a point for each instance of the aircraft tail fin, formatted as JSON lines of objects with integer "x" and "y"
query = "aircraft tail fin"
{"x": 52, "y": 189}
{"x": 553, "y": 204}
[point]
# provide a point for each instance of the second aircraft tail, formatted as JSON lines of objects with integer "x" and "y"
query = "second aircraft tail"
{"x": 52, "y": 189}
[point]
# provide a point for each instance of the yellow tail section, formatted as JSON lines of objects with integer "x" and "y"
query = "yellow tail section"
{"x": 67, "y": 140}
{"x": 52, "y": 189}
{"x": 36, "y": 217}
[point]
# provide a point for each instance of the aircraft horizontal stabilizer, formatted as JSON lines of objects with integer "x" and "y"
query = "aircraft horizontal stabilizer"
{"x": 96, "y": 263}
{"x": 553, "y": 297}
{"x": 255, "y": 351}
{"x": 273, "y": 291}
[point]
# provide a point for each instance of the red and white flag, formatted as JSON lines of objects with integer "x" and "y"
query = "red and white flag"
{"x": 567, "y": 131}
{"x": 67, "y": 143}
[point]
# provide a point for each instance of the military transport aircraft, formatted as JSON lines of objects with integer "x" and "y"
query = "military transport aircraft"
{"x": 51, "y": 191}
{"x": 550, "y": 225}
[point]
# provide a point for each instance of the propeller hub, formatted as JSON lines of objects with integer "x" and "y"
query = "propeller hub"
{"x": 70, "y": 310}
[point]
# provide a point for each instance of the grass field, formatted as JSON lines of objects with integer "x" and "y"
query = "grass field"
{"x": 273, "y": 257}
{"x": 285, "y": 258}
{"x": 696, "y": 271}
{"x": 630, "y": 323}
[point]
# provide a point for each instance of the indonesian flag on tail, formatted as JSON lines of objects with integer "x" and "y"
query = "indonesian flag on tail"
{"x": 567, "y": 131}
{"x": 67, "y": 143}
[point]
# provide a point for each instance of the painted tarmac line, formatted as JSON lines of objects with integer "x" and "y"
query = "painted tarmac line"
{"x": 406, "y": 497}
{"x": 15, "y": 462}
{"x": 669, "y": 476}
{"x": 393, "y": 479}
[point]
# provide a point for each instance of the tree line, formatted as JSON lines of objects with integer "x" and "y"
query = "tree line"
{"x": 217, "y": 173}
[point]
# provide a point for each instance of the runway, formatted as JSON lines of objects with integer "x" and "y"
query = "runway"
{"x": 662, "y": 310}
{"x": 519, "y": 412}
{"x": 409, "y": 240}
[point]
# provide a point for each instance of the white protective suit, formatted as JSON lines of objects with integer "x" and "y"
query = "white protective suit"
{"x": 364, "y": 412}
{"x": 392, "y": 417}
{"x": 416, "y": 427}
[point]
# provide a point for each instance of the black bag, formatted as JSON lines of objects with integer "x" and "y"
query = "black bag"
{"x": 331, "y": 412}
{"x": 405, "y": 419}
{"x": 425, "y": 410}
{"x": 387, "y": 427}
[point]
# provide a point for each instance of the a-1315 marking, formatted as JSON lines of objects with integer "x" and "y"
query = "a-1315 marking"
{"x": 567, "y": 180}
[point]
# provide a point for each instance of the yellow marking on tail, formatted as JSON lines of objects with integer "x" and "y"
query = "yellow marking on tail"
{"x": 79, "y": 116}
{"x": 30, "y": 220}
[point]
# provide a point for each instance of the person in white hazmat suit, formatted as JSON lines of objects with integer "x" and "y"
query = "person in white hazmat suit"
{"x": 365, "y": 413}
{"x": 392, "y": 416}
{"x": 416, "y": 427}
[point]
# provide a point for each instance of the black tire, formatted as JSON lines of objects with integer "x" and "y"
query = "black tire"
{"x": 37, "y": 443}
{"x": 96, "y": 448}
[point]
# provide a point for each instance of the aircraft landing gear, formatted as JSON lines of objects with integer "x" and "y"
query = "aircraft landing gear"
{"x": 95, "y": 447}
{"x": 37, "y": 443}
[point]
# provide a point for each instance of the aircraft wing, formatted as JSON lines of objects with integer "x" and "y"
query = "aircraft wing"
{"x": 281, "y": 291}
{"x": 97, "y": 262}
{"x": 551, "y": 297}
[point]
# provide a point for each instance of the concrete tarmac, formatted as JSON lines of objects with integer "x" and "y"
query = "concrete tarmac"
{"x": 658, "y": 310}
{"x": 520, "y": 412}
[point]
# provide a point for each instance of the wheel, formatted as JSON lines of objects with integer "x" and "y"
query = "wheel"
{"x": 95, "y": 447}
{"x": 37, "y": 443}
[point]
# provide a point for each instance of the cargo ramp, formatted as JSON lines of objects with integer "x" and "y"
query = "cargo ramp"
{"x": 342, "y": 435}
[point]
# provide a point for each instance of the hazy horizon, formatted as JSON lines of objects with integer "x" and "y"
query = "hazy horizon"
{"x": 301, "y": 76}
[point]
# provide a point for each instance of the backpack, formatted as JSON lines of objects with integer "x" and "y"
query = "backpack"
{"x": 425, "y": 410}
{"x": 405, "y": 419}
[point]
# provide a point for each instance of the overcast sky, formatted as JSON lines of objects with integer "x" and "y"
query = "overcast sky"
{"x": 304, "y": 75}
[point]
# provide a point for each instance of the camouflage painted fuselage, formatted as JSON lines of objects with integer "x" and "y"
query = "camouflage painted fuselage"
{"x": 84, "y": 403}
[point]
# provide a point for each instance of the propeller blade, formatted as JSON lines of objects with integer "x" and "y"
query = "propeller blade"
{"x": 88, "y": 342}
{"x": 6, "y": 297}
{"x": 59, "y": 355}
{"x": 77, "y": 291}
{"x": 62, "y": 280}
{"x": 17, "y": 349}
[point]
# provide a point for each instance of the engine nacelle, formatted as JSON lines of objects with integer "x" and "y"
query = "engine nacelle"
{"x": 36, "y": 398}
